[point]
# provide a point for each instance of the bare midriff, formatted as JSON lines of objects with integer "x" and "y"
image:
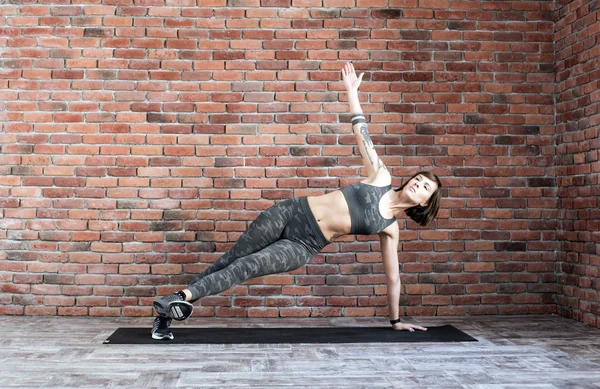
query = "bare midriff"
{"x": 332, "y": 214}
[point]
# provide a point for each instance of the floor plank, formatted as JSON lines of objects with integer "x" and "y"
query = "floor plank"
{"x": 511, "y": 352}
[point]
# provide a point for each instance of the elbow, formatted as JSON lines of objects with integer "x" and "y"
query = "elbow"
{"x": 394, "y": 280}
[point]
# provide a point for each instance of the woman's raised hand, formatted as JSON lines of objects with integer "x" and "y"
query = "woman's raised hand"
{"x": 351, "y": 82}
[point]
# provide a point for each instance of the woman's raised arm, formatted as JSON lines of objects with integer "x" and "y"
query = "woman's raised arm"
{"x": 359, "y": 125}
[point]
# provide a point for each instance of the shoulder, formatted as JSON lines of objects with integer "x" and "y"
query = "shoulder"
{"x": 381, "y": 178}
{"x": 391, "y": 232}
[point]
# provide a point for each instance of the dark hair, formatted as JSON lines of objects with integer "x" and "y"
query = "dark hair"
{"x": 423, "y": 215}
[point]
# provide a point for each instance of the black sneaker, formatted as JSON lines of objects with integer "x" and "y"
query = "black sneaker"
{"x": 180, "y": 310}
{"x": 173, "y": 306}
{"x": 161, "y": 330}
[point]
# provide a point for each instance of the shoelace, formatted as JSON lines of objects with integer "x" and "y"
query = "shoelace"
{"x": 162, "y": 322}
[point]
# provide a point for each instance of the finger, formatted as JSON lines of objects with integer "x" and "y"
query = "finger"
{"x": 420, "y": 328}
{"x": 361, "y": 76}
{"x": 352, "y": 66}
{"x": 411, "y": 330}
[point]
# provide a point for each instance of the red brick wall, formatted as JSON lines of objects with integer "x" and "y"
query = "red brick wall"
{"x": 139, "y": 139}
{"x": 577, "y": 159}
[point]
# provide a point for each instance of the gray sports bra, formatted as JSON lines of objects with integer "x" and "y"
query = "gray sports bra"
{"x": 363, "y": 202}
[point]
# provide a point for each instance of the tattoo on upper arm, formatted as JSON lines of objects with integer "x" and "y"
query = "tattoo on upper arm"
{"x": 368, "y": 144}
{"x": 365, "y": 133}
{"x": 334, "y": 237}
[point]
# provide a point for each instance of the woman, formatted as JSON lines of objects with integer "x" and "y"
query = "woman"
{"x": 287, "y": 235}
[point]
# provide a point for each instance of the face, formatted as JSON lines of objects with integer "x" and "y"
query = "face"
{"x": 419, "y": 189}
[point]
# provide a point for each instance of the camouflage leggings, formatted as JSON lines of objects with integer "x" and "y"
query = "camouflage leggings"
{"x": 282, "y": 238}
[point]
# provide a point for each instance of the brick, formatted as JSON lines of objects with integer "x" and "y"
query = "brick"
{"x": 156, "y": 171}
{"x": 275, "y": 3}
{"x": 386, "y": 13}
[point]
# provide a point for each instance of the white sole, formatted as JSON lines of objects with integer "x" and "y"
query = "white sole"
{"x": 158, "y": 337}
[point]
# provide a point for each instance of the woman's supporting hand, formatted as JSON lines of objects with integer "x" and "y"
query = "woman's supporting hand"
{"x": 351, "y": 82}
{"x": 408, "y": 327}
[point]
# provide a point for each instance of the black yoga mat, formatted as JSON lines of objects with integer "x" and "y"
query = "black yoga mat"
{"x": 186, "y": 335}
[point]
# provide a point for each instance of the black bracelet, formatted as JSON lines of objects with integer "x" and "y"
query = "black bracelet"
{"x": 359, "y": 120}
{"x": 392, "y": 322}
{"x": 357, "y": 115}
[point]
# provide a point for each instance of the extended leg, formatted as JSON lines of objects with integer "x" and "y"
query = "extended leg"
{"x": 281, "y": 256}
{"x": 263, "y": 231}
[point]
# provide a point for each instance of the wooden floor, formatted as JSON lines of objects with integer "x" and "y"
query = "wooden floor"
{"x": 512, "y": 352}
